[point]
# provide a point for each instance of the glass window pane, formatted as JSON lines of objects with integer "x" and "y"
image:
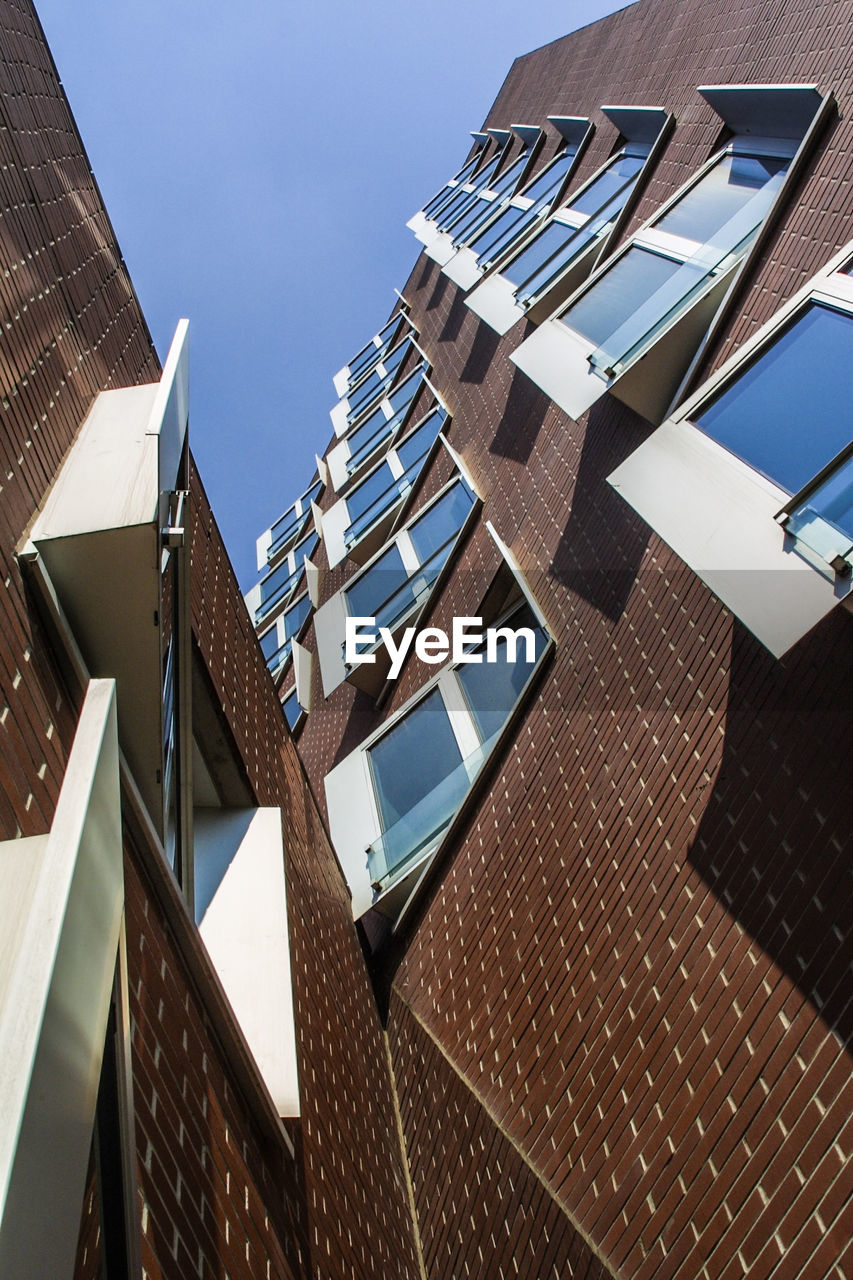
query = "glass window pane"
{"x": 365, "y": 392}
{"x": 269, "y": 643}
{"x": 292, "y": 709}
{"x": 405, "y": 393}
{"x": 424, "y": 736}
{"x": 599, "y": 191}
{"x": 549, "y": 180}
{"x": 718, "y": 196}
{"x": 418, "y": 442}
{"x": 368, "y": 432}
{"x": 443, "y": 521}
{"x": 549, "y": 241}
{"x": 295, "y": 616}
{"x": 619, "y": 292}
{"x": 366, "y": 493}
{"x": 790, "y": 413}
{"x": 493, "y": 688}
{"x": 373, "y": 588}
{"x": 504, "y": 226}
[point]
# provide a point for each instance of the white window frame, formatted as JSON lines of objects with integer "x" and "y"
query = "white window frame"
{"x": 557, "y": 358}
{"x": 496, "y": 299}
{"x": 330, "y": 620}
{"x": 354, "y": 814}
{"x": 721, "y": 516}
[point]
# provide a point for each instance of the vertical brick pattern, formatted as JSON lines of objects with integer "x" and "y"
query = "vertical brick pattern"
{"x": 215, "y": 1198}
{"x": 359, "y": 1216}
{"x": 637, "y": 955}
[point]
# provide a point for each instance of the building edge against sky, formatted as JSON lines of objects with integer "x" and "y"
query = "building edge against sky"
{"x": 593, "y": 1016}
{"x": 596, "y": 901}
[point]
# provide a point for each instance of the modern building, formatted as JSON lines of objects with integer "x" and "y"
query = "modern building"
{"x": 532, "y": 966}
{"x": 603, "y": 879}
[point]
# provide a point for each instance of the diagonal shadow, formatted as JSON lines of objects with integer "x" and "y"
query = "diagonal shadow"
{"x": 604, "y": 540}
{"x": 774, "y": 841}
{"x": 524, "y": 413}
{"x": 482, "y": 353}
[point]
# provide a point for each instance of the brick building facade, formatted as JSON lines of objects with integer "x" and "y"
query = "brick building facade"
{"x": 595, "y": 1023}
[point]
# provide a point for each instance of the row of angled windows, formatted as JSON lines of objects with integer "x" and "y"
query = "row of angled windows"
{"x": 512, "y": 243}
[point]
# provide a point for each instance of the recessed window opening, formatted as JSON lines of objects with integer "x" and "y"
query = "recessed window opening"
{"x": 450, "y": 732}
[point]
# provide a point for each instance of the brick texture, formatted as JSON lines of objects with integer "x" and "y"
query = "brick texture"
{"x": 215, "y": 1199}
{"x": 632, "y": 969}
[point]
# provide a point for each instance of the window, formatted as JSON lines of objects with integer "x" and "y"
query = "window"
{"x": 383, "y": 423}
{"x": 293, "y": 712}
{"x": 490, "y": 191}
{"x": 459, "y": 179}
{"x": 450, "y": 732}
{"x": 401, "y": 580}
{"x": 539, "y": 263}
{"x": 577, "y": 224}
{"x": 276, "y": 642}
{"x": 393, "y": 588}
{"x": 372, "y": 498}
{"x": 716, "y": 221}
{"x": 365, "y": 360}
{"x": 275, "y": 540}
{"x": 767, "y": 443}
{"x": 276, "y": 588}
{"x": 369, "y": 394}
{"x": 676, "y": 272}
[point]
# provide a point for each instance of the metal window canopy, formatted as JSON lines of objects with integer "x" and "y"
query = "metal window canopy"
{"x": 100, "y": 538}
{"x": 721, "y": 516}
{"x": 656, "y": 377}
{"x": 495, "y": 299}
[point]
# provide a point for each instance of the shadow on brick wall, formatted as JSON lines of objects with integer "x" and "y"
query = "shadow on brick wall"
{"x": 773, "y": 843}
{"x": 524, "y": 413}
{"x": 604, "y": 540}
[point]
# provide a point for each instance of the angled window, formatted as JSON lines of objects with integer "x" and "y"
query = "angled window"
{"x": 671, "y": 279}
{"x": 364, "y": 361}
{"x": 289, "y": 527}
{"x": 519, "y": 216}
{"x": 368, "y": 394}
{"x": 294, "y": 713}
{"x": 268, "y": 597}
{"x": 376, "y": 430}
{"x": 358, "y": 523}
{"x": 751, "y": 482}
{"x": 492, "y": 192}
{"x": 423, "y": 218}
{"x": 450, "y": 727}
{"x": 276, "y": 642}
{"x": 393, "y": 588}
{"x": 534, "y": 273}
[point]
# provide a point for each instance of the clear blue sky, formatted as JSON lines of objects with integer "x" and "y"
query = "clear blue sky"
{"x": 259, "y": 163}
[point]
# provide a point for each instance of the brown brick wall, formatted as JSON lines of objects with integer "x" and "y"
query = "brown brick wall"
{"x": 483, "y": 1212}
{"x": 212, "y": 1197}
{"x": 637, "y": 955}
{"x": 215, "y": 1195}
{"x": 358, "y": 1210}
